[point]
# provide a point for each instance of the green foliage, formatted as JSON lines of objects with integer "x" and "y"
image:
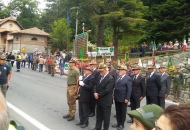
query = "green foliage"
{"x": 26, "y": 12}
{"x": 168, "y": 21}
{"x": 60, "y": 33}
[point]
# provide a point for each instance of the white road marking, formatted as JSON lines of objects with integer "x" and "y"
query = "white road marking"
{"x": 25, "y": 76}
{"x": 28, "y": 118}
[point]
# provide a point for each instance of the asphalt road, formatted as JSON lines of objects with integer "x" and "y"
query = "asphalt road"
{"x": 37, "y": 101}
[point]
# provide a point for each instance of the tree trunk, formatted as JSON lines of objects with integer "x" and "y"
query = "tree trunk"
{"x": 100, "y": 31}
{"x": 115, "y": 42}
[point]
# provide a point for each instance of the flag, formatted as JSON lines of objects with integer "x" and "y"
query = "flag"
{"x": 184, "y": 43}
{"x": 68, "y": 17}
{"x": 169, "y": 63}
{"x": 80, "y": 53}
{"x": 126, "y": 58}
{"x": 154, "y": 48}
{"x": 140, "y": 62}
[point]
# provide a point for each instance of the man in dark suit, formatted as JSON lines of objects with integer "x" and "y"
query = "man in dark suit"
{"x": 95, "y": 73}
{"x": 86, "y": 86}
{"x": 122, "y": 94}
{"x": 165, "y": 83}
{"x": 138, "y": 89}
{"x": 103, "y": 94}
{"x": 153, "y": 86}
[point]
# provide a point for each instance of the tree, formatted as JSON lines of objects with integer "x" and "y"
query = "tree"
{"x": 168, "y": 21}
{"x": 60, "y": 34}
{"x": 26, "y": 12}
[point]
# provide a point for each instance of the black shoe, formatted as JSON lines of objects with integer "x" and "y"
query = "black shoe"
{"x": 79, "y": 123}
{"x": 70, "y": 118}
{"x": 120, "y": 127}
{"x": 66, "y": 116}
{"x": 84, "y": 126}
{"x": 115, "y": 125}
{"x": 130, "y": 121}
{"x": 91, "y": 115}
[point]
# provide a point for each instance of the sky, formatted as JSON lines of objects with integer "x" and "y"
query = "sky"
{"x": 41, "y": 5}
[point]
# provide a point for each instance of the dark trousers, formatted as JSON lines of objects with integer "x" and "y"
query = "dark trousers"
{"x": 23, "y": 63}
{"x": 30, "y": 64}
{"x": 49, "y": 69}
{"x": 161, "y": 102}
{"x": 18, "y": 65}
{"x": 12, "y": 63}
{"x": 84, "y": 111}
{"x": 92, "y": 104}
{"x": 121, "y": 109}
{"x": 135, "y": 103}
{"x": 102, "y": 115}
{"x": 40, "y": 67}
{"x": 151, "y": 100}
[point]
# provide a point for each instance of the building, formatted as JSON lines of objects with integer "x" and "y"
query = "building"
{"x": 13, "y": 37}
{"x": 29, "y": 40}
{"x": 7, "y": 25}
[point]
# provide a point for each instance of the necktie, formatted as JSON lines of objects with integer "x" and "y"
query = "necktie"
{"x": 101, "y": 79}
{"x": 149, "y": 76}
{"x": 119, "y": 79}
{"x": 134, "y": 78}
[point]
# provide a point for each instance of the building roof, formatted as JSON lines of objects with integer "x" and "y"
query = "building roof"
{"x": 2, "y": 21}
{"x": 33, "y": 31}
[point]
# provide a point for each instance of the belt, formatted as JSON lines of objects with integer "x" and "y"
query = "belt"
{"x": 71, "y": 84}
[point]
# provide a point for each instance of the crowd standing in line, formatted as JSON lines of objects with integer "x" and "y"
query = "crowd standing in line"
{"x": 102, "y": 85}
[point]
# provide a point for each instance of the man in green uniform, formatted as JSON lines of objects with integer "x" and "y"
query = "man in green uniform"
{"x": 72, "y": 89}
{"x": 177, "y": 83}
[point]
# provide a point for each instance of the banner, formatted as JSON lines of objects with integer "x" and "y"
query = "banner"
{"x": 106, "y": 51}
{"x": 66, "y": 68}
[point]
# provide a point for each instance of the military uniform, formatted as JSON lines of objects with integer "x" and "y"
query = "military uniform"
{"x": 177, "y": 84}
{"x": 72, "y": 79}
{"x": 52, "y": 64}
{"x": 35, "y": 63}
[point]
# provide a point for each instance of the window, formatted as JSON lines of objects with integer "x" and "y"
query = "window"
{"x": 34, "y": 39}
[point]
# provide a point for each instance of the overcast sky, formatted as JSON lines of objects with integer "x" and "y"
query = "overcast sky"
{"x": 41, "y": 5}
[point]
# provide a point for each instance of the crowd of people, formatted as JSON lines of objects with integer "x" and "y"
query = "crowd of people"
{"x": 101, "y": 85}
{"x": 160, "y": 47}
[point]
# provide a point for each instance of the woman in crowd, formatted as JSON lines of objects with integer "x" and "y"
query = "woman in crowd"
{"x": 174, "y": 117}
{"x": 144, "y": 117}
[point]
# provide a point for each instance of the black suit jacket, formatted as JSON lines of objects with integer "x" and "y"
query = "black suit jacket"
{"x": 123, "y": 89}
{"x": 138, "y": 87}
{"x": 153, "y": 85}
{"x": 104, "y": 90}
{"x": 86, "y": 90}
{"x": 96, "y": 73}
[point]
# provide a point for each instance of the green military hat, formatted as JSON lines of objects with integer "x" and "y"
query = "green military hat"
{"x": 2, "y": 57}
{"x": 178, "y": 67}
{"x": 122, "y": 67}
{"x": 93, "y": 63}
{"x": 136, "y": 67}
{"x": 150, "y": 67}
{"x": 73, "y": 60}
{"x": 162, "y": 66}
{"x": 102, "y": 67}
{"x": 89, "y": 68}
{"x": 147, "y": 114}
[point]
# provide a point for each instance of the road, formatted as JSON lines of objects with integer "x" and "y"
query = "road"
{"x": 37, "y": 101}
